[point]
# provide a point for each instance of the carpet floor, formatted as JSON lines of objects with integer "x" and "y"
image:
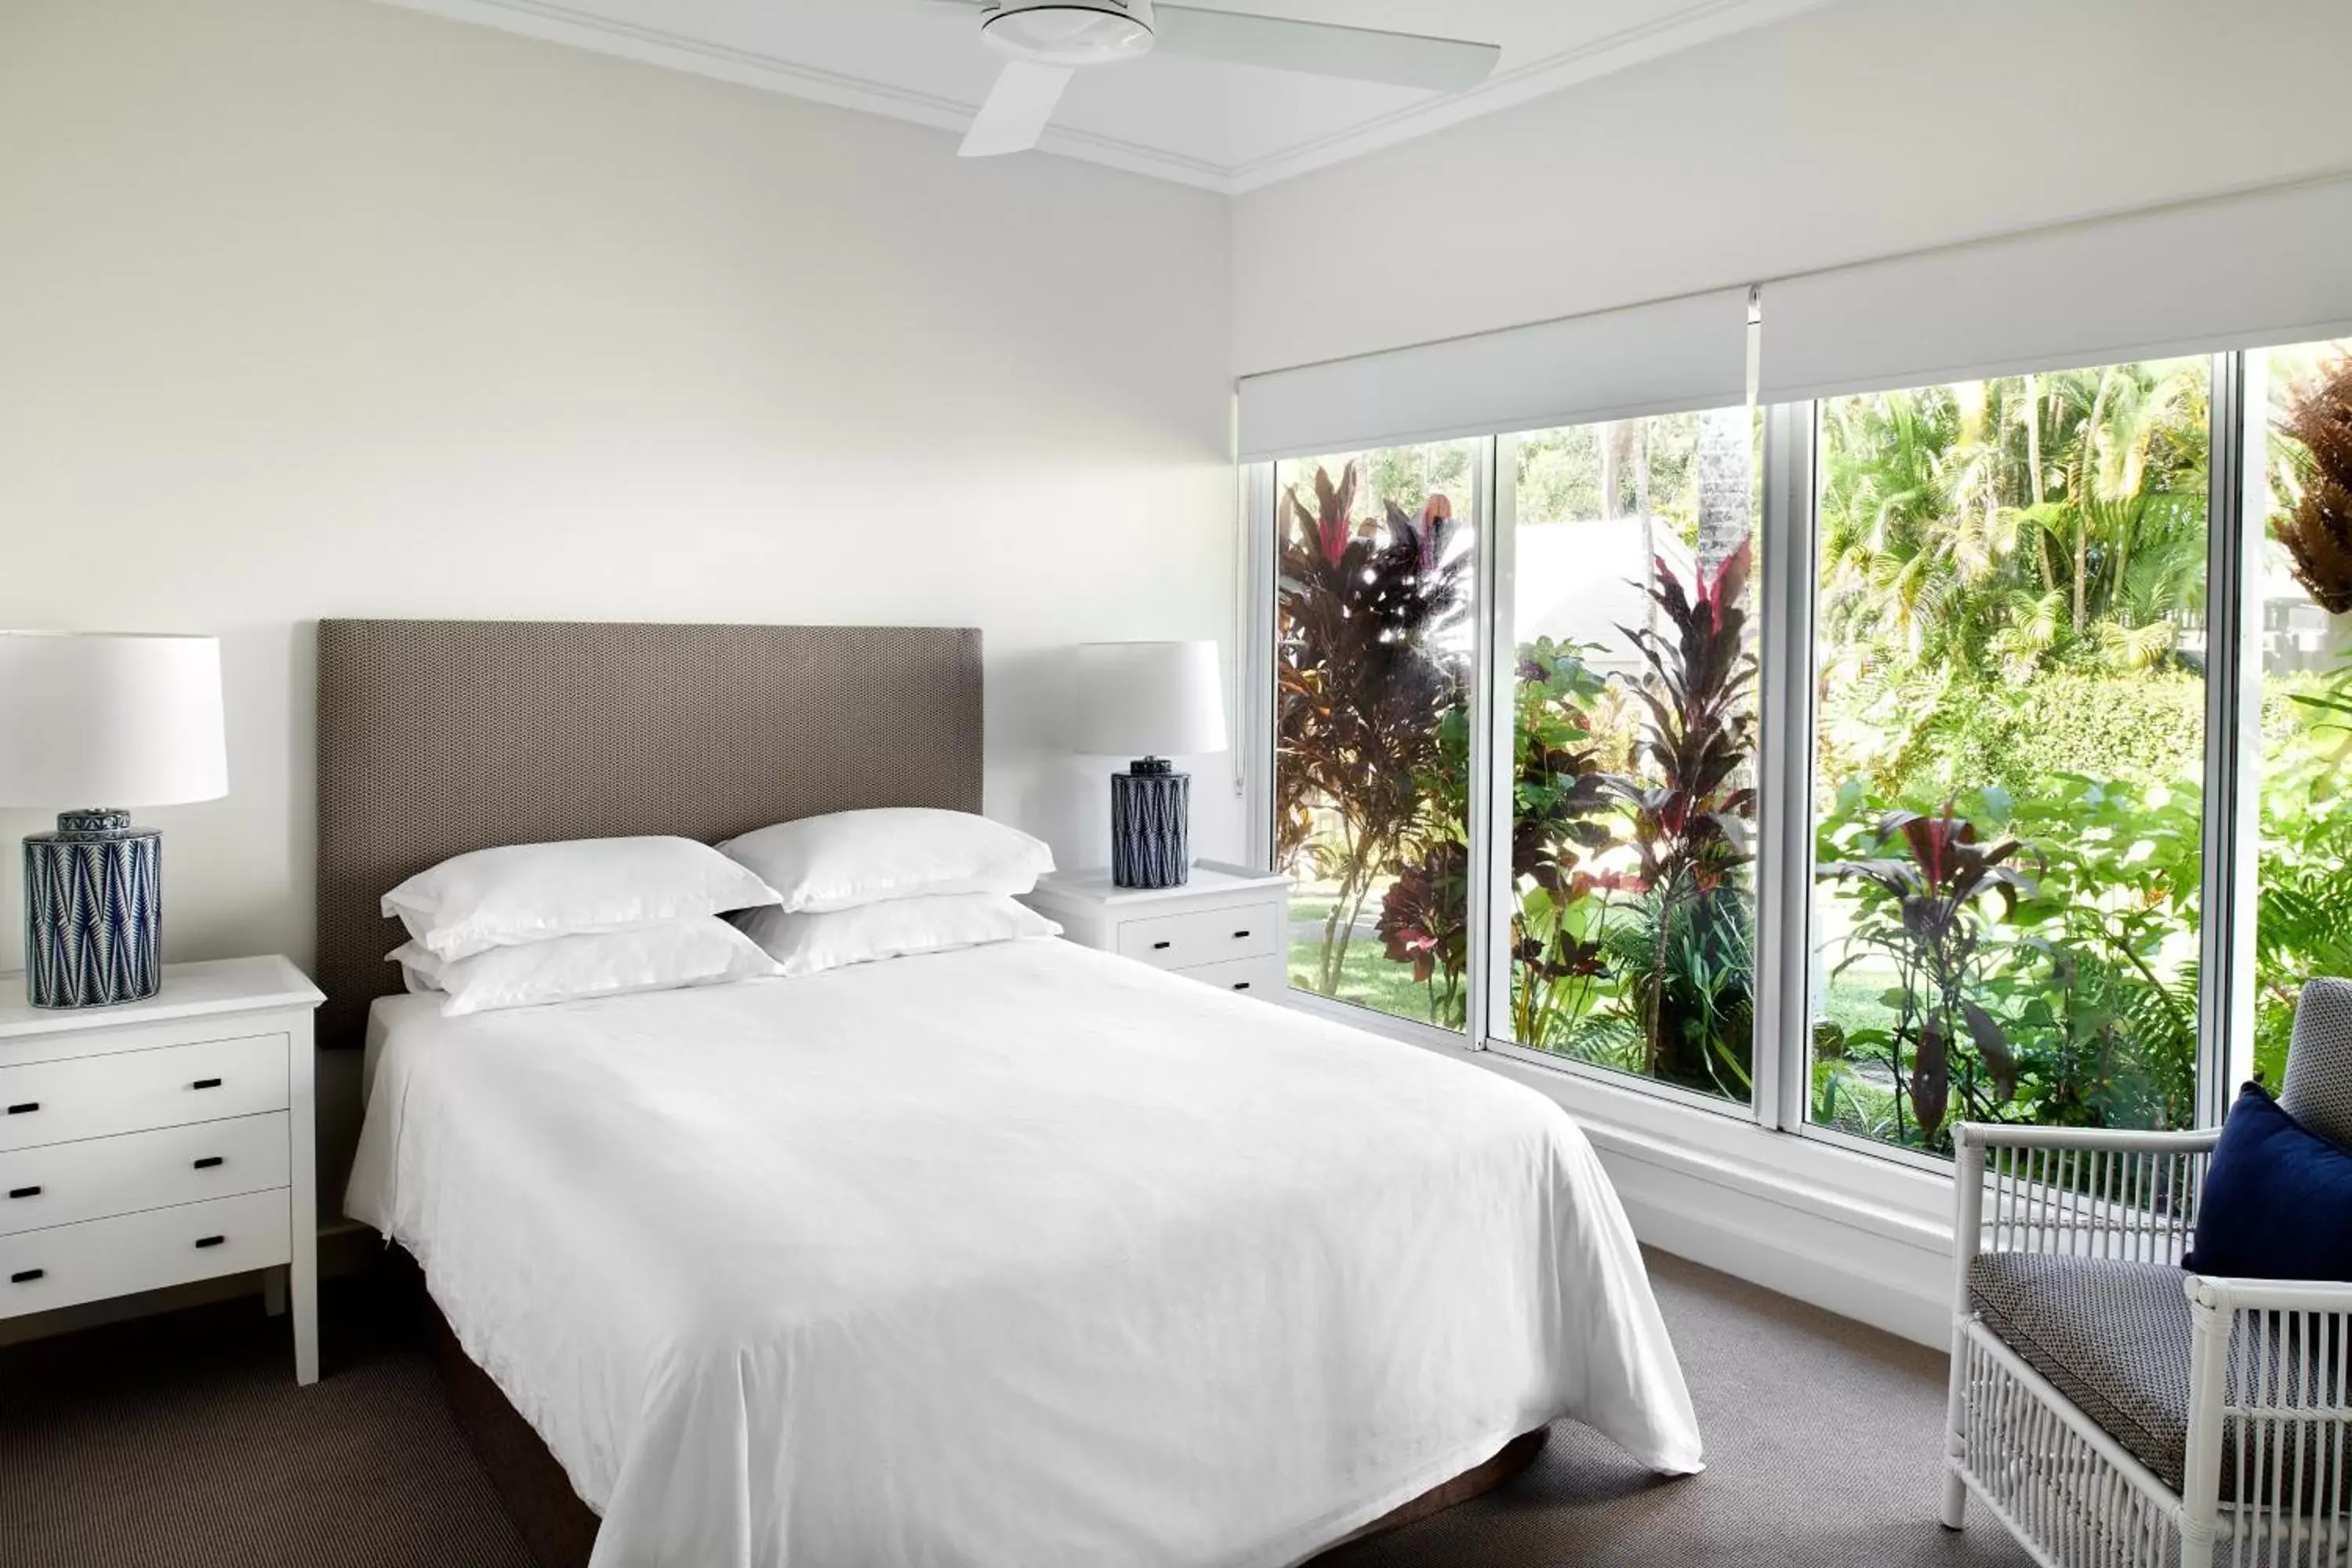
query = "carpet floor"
{"x": 181, "y": 1440}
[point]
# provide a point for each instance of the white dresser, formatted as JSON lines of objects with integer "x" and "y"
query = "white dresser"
{"x": 1227, "y": 927}
{"x": 162, "y": 1141}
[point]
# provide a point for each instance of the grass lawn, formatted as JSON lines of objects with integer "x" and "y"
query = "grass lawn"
{"x": 1367, "y": 978}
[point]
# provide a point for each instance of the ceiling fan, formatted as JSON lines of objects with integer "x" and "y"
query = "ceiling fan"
{"x": 1047, "y": 41}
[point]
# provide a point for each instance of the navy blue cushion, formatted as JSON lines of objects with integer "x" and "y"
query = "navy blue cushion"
{"x": 2278, "y": 1200}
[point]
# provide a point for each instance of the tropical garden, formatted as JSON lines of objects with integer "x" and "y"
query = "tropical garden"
{"x": 2009, "y": 744}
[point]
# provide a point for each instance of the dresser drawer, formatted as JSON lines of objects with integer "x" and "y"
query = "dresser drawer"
{"x": 69, "y": 1263}
{"x": 1263, "y": 976}
{"x": 65, "y": 1183}
{"x": 1209, "y": 936}
{"x": 96, "y": 1097}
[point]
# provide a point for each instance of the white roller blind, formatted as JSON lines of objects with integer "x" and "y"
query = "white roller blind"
{"x": 1690, "y": 353}
{"x": 2239, "y": 272}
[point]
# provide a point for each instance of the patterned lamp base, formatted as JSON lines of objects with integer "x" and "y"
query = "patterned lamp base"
{"x": 93, "y": 911}
{"x": 1150, "y": 841}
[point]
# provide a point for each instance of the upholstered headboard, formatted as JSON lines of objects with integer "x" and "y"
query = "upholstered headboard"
{"x": 438, "y": 737}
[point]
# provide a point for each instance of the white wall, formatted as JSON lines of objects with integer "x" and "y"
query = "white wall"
{"x": 1865, "y": 129}
{"x": 321, "y": 308}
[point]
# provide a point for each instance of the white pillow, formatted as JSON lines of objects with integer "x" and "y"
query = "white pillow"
{"x": 526, "y": 892}
{"x": 806, "y": 943}
{"x": 820, "y": 864}
{"x": 701, "y": 951}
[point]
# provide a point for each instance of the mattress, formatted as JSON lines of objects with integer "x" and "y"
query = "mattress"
{"x": 1023, "y": 1254}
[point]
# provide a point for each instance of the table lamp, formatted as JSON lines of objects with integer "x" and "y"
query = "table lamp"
{"x": 1150, "y": 700}
{"x": 116, "y": 719}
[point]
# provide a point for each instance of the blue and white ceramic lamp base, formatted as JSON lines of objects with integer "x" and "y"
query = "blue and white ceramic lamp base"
{"x": 93, "y": 911}
{"x": 1151, "y": 838}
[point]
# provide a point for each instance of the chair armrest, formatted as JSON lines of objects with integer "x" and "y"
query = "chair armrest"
{"x": 2270, "y": 1397}
{"x": 2238, "y": 1296}
{"x": 2004, "y": 1135}
{"x": 2085, "y": 1190}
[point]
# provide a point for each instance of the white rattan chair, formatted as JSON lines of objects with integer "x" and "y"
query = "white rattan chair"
{"x": 2117, "y": 1411}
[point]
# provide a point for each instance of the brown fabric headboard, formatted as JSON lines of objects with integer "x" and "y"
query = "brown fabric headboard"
{"x": 438, "y": 737}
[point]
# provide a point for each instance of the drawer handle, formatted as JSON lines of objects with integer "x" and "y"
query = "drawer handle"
{"x": 1159, "y": 946}
{"x": 208, "y": 1162}
{"x": 24, "y": 1192}
{"x": 204, "y": 1241}
{"x": 1239, "y": 934}
{"x": 27, "y": 1109}
{"x": 1241, "y": 985}
{"x": 26, "y": 1276}
{"x": 206, "y": 1083}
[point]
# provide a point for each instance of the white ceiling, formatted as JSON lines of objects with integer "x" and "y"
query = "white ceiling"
{"x": 1227, "y": 128}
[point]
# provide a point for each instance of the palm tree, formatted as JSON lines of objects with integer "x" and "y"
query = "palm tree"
{"x": 1999, "y": 525}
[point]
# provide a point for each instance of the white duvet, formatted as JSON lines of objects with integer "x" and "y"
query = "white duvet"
{"x": 1019, "y": 1255}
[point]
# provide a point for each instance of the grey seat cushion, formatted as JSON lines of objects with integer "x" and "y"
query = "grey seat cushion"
{"x": 2112, "y": 1336}
{"x": 2318, "y": 1087}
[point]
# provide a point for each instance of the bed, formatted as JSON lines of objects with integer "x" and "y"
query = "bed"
{"x": 1021, "y": 1254}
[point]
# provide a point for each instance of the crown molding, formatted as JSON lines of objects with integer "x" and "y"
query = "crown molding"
{"x": 555, "y": 22}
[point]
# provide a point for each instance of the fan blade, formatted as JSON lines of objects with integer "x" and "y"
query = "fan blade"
{"x": 1016, "y": 112}
{"x": 1322, "y": 49}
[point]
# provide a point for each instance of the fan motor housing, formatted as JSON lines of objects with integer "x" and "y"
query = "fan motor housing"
{"x": 1069, "y": 32}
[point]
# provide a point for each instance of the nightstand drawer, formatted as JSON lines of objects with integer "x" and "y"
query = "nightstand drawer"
{"x": 66, "y": 1183}
{"x": 1263, "y": 976}
{"x": 96, "y": 1097}
{"x": 1209, "y": 936}
{"x": 69, "y": 1263}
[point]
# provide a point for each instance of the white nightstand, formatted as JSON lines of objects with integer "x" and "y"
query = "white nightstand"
{"x": 162, "y": 1141}
{"x": 1228, "y": 927}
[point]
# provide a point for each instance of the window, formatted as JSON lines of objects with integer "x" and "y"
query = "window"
{"x": 1374, "y": 641}
{"x": 2300, "y": 582}
{"x": 2009, "y": 739}
{"x": 1878, "y": 795}
{"x": 1632, "y": 906}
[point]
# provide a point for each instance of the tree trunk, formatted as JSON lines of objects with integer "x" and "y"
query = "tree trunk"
{"x": 2082, "y": 560}
{"x": 1616, "y": 453}
{"x": 2033, "y": 471}
{"x": 1725, "y": 491}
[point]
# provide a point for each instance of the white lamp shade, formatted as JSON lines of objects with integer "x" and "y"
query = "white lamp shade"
{"x": 1149, "y": 700}
{"x": 110, "y": 720}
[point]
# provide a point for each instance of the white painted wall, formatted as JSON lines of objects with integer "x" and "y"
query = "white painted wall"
{"x": 320, "y": 307}
{"x": 1865, "y": 129}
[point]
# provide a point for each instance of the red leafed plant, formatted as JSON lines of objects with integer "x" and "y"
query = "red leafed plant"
{"x": 1690, "y": 813}
{"x": 1363, "y": 691}
{"x": 1424, "y": 919}
{"x": 1925, "y": 908}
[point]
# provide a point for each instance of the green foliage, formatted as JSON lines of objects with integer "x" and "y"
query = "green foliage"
{"x": 2304, "y": 917}
{"x": 1561, "y": 816}
{"x": 2065, "y": 997}
{"x": 1929, "y": 736}
{"x": 2108, "y": 1020}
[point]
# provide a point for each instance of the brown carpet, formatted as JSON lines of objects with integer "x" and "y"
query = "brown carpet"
{"x": 182, "y": 1441}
